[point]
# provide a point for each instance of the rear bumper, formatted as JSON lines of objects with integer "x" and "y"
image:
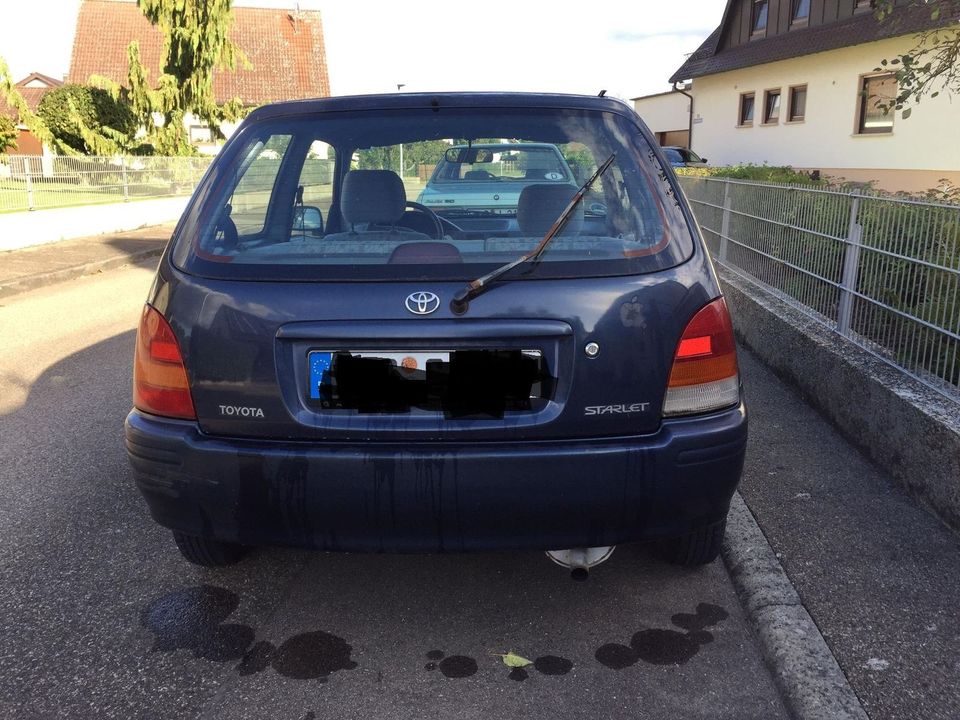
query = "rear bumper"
{"x": 435, "y": 497}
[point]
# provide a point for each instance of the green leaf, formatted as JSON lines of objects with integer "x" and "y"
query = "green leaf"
{"x": 906, "y": 113}
{"x": 512, "y": 660}
{"x": 935, "y": 13}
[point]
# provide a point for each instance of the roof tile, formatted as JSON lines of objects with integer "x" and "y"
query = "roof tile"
{"x": 284, "y": 47}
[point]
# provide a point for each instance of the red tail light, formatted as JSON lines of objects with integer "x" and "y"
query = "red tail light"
{"x": 160, "y": 384}
{"x": 704, "y": 376}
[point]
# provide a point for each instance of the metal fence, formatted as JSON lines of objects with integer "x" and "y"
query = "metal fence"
{"x": 31, "y": 182}
{"x": 882, "y": 272}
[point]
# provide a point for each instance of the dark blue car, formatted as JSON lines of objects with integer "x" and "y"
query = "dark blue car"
{"x": 322, "y": 363}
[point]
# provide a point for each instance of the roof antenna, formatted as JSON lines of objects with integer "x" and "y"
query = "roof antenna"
{"x": 601, "y": 93}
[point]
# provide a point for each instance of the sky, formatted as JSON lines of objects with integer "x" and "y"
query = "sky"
{"x": 628, "y": 49}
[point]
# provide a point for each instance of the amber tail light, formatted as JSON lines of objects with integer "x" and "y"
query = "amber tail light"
{"x": 160, "y": 385}
{"x": 704, "y": 375}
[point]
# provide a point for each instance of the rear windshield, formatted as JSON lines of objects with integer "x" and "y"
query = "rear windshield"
{"x": 447, "y": 193}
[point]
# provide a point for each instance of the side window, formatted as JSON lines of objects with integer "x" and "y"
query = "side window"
{"x": 251, "y": 195}
{"x": 316, "y": 177}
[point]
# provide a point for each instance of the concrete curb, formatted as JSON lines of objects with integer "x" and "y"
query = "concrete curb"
{"x": 811, "y": 682}
{"x": 31, "y": 282}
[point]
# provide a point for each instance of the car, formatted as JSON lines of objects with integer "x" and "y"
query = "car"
{"x": 683, "y": 157}
{"x": 488, "y": 178}
{"x": 322, "y": 363}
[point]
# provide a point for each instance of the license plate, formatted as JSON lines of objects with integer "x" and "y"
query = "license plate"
{"x": 320, "y": 362}
{"x": 410, "y": 377}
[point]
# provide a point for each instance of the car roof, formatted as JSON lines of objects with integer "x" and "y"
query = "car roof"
{"x": 394, "y": 101}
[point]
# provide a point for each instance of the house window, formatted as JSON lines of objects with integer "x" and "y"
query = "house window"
{"x": 746, "y": 109}
{"x": 863, "y": 5}
{"x": 801, "y": 11}
{"x": 877, "y": 96}
{"x": 798, "y": 103}
{"x": 771, "y": 107}
{"x": 759, "y": 19}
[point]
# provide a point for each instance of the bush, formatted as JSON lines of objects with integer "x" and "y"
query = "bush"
{"x": 8, "y": 134}
{"x": 755, "y": 173}
{"x": 93, "y": 106}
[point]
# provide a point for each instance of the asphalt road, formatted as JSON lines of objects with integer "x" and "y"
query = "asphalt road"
{"x": 101, "y": 618}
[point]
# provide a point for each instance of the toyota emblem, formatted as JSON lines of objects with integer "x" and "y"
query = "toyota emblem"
{"x": 422, "y": 303}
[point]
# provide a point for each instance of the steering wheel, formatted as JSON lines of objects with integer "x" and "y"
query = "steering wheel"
{"x": 431, "y": 216}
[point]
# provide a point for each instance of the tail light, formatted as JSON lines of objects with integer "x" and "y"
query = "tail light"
{"x": 160, "y": 384}
{"x": 704, "y": 376}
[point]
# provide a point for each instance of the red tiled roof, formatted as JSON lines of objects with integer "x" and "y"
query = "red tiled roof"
{"x": 284, "y": 47}
{"x": 31, "y": 95}
{"x": 711, "y": 58}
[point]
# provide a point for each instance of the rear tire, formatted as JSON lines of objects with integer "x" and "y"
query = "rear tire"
{"x": 697, "y": 548}
{"x": 207, "y": 551}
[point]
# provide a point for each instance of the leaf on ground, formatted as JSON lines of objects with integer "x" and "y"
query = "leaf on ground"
{"x": 512, "y": 660}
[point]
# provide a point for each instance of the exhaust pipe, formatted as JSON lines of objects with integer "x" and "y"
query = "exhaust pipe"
{"x": 580, "y": 560}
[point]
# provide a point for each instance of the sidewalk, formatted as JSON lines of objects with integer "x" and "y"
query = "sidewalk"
{"x": 33, "y": 267}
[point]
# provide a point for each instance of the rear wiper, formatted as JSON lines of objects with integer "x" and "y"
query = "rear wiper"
{"x": 479, "y": 286}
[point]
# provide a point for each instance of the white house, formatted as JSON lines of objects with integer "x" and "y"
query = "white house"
{"x": 667, "y": 115}
{"x": 794, "y": 82}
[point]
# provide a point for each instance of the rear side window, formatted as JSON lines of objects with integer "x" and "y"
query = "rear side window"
{"x": 424, "y": 194}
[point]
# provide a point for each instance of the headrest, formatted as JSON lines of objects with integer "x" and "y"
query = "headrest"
{"x": 540, "y": 205}
{"x": 372, "y": 196}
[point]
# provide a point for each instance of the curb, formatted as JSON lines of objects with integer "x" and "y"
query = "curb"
{"x": 811, "y": 682}
{"x": 31, "y": 282}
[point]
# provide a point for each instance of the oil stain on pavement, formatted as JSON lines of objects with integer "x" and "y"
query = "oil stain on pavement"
{"x": 659, "y": 646}
{"x": 193, "y": 619}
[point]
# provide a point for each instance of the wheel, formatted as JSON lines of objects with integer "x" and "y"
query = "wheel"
{"x": 696, "y": 548}
{"x": 207, "y": 551}
{"x": 437, "y": 224}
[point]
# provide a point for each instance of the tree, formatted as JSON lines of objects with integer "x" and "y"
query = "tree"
{"x": 8, "y": 134}
{"x": 195, "y": 43}
{"x": 932, "y": 65}
{"x": 9, "y": 92}
{"x": 89, "y": 120}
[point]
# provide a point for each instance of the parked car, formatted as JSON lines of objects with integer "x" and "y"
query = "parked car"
{"x": 490, "y": 177}
{"x": 683, "y": 157}
{"x": 324, "y": 364}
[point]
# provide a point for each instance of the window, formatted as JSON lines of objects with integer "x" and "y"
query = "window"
{"x": 864, "y": 5}
{"x": 319, "y": 197}
{"x": 758, "y": 24}
{"x": 746, "y": 109}
{"x": 248, "y": 205}
{"x": 801, "y": 11}
{"x": 771, "y": 107}
{"x": 877, "y": 96}
{"x": 798, "y": 103}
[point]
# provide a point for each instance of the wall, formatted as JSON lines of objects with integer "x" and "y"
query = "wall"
{"x": 664, "y": 112}
{"x": 825, "y": 140}
{"x": 906, "y": 428}
{"x": 38, "y": 227}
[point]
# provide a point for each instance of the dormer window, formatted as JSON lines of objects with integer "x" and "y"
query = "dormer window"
{"x": 759, "y": 18}
{"x": 801, "y": 12}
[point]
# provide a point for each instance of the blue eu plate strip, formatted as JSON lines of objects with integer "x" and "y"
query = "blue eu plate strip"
{"x": 319, "y": 363}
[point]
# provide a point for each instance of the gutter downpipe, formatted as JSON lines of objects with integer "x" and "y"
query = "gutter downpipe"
{"x": 690, "y": 119}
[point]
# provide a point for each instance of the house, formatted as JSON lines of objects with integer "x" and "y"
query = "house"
{"x": 32, "y": 88}
{"x": 795, "y": 82}
{"x": 284, "y": 48}
{"x": 667, "y": 115}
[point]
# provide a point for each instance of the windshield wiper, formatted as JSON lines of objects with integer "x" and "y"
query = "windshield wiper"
{"x": 479, "y": 286}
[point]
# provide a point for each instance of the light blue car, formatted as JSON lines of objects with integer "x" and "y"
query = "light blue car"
{"x": 489, "y": 177}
